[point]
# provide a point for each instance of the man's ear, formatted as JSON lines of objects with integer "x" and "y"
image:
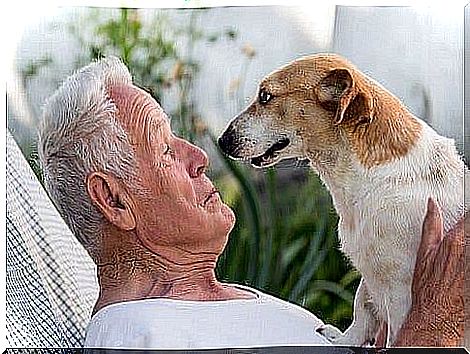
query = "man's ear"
{"x": 338, "y": 92}
{"x": 113, "y": 201}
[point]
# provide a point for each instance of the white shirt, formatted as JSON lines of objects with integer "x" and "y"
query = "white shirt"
{"x": 179, "y": 324}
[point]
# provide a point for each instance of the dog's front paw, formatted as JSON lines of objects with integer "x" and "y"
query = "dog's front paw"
{"x": 349, "y": 338}
{"x": 331, "y": 333}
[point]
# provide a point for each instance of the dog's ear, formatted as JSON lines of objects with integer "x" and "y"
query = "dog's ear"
{"x": 339, "y": 93}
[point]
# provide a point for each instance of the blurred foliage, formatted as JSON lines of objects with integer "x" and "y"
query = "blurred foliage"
{"x": 32, "y": 69}
{"x": 285, "y": 239}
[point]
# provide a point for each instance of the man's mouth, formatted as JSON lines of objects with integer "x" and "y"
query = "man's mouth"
{"x": 210, "y": 195}
{"x": 270, "y": 156}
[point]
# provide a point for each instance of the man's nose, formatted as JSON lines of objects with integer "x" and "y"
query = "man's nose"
{"x": 196, "y": 159}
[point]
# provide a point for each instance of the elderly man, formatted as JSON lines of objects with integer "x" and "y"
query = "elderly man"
{"x": 137, "y": 198}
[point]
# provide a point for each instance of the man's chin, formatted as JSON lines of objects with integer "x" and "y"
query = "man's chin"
{"x": 229, "y": 216}
{"x": 225, "y": 226}
{"x": 224, "y": 220}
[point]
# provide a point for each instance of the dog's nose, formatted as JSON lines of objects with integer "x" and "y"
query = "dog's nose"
{"x": 227, "y": 142}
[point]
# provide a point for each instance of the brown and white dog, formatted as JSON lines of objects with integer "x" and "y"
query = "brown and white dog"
{"x": 379, "y": 162}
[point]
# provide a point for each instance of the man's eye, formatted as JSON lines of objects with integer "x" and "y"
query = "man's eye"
{"x": 168, "y": 150}
{"x": 264, "y": 96}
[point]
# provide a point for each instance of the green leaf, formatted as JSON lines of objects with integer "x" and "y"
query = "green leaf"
{"x": 291, "y": 251}
{"x": 333, "y": 288}
{"x": 350, "y": 277}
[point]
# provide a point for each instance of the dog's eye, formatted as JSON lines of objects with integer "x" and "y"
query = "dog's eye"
{"x": 264, "y": 96}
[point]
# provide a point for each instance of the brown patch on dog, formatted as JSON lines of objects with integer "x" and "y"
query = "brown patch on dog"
{"x": 378, "y": 126}
{"x": 389, "y": 134}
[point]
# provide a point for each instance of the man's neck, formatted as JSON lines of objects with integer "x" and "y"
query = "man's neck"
{"x": 135, "y": 273}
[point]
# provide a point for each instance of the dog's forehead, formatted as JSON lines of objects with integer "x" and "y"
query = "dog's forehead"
{"x": 303, "y": 73}
{"x": 287, "y": 78}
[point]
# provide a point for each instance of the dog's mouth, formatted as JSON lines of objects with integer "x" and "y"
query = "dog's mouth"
{"x": 271, "y": 155}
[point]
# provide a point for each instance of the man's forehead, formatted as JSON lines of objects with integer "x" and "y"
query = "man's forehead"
{"x": 133, "y": 103}
{"x": 138, "y": 112}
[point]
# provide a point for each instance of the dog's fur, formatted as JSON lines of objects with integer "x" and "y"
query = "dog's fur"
{"x": 379, "y": 162}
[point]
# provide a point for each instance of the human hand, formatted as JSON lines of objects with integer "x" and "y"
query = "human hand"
{"x": 437, "y": 316}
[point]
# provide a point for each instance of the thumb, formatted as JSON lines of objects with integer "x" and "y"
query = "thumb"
{"x": 432, "y": 232}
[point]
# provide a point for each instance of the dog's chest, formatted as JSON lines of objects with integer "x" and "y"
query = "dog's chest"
{"x": 380, "y": 244}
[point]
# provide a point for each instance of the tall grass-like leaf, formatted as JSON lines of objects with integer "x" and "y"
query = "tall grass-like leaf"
{"x": 271, "y": 234}
{"x": 334, "y": 288}
{"x": 307, "y": 275}
{"x": 312, "y": 261}
{"x": 291, "y": 251}
{"x": 350, "y": 277}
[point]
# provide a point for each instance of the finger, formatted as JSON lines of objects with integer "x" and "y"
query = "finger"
{"x": 432, "y": 231}
{"x": 452, "y": 248}
{"x": 430, "y": 238}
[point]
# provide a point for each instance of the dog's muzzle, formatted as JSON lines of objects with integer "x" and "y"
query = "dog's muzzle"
{"x": 229, "y": 143}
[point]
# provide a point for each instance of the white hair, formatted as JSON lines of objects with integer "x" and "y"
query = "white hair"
{"x": 79, "y": 134}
